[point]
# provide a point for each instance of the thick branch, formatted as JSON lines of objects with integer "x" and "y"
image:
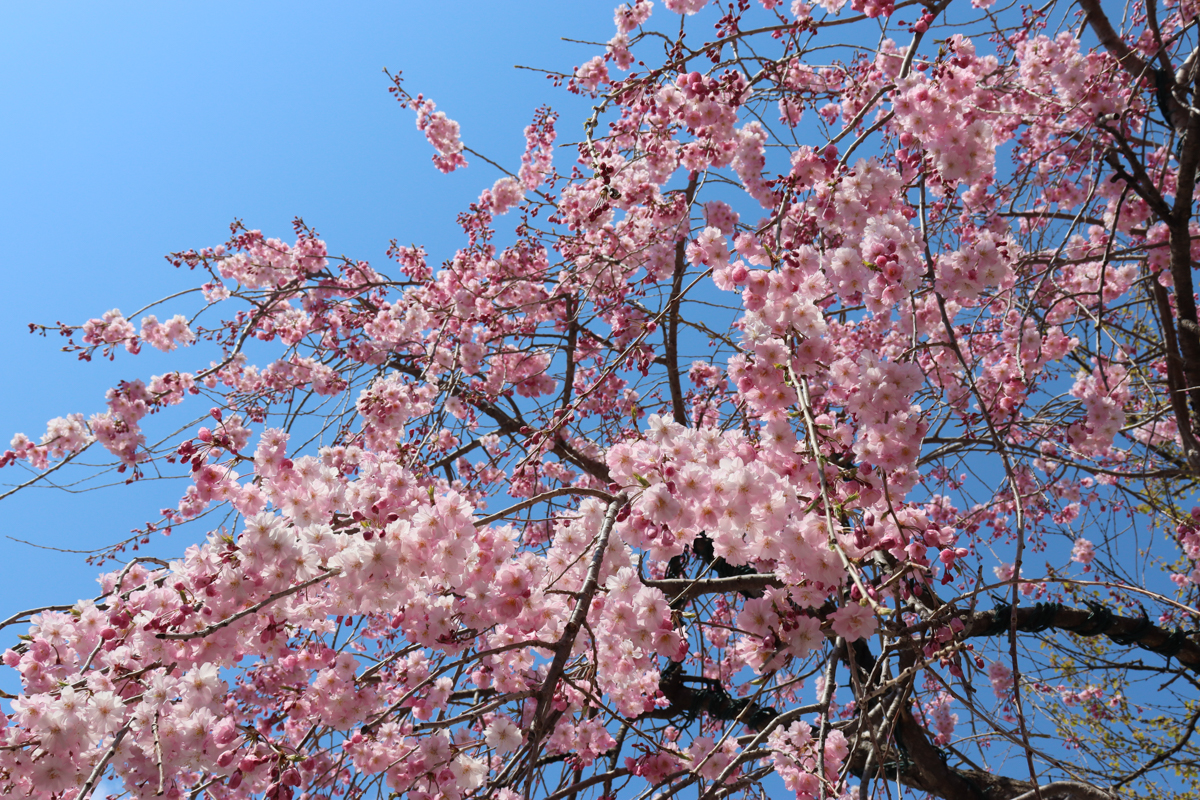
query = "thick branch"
{"x": 583, "y": 602}
{"x": 1122, "y": 53}
{"x": 1180, "y": 214}
{"x": 916, "y": 761}
{"x": 1181, "y": 272}
{"x": 1176, "y": 382}
{"x": 929, "y": 771}
{"x": 682, "y": 590}
{"x": 508, "y": 425}
{"x": 1181, "y": 256}
{"x": 707, "y": 696}
{"x": 1094, "y": 621}
{"x": 671, "y": 329}
{"x": 572, "y": 342}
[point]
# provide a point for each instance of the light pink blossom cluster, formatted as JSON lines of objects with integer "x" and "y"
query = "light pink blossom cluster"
{"x": 943, "y": 720}
{"x": 442, "y": 132}
{"x": 166, "y": 337}
{"x": 111, "y": 329}
{"x": 64, "y": 436}
{"x": 795, "y": 753}
{"x": 592, "y": 75}
{"x": 270, "y": 263}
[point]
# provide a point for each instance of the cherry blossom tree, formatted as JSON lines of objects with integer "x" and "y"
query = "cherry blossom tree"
{"x": 820, "y": 414}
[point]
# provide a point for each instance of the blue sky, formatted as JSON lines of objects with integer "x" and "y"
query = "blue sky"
{"x": 137, "y": 129}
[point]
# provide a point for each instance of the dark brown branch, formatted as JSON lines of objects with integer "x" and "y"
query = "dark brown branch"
{"x": 1139, "y": 180}
{"x": 919, "y": 764}
{"x": 1181, "y": 262}
{"x": 572, "y": 305}
{"x": 509, "y": 425}
{"x": 929, "y": 771}
{"x": 1179, "y": 216}
{"x": 682, "y": 590}
{"x": 583, "y": 601}
{"x": 1094, "y": 621}
{"x": 1176, "y": 383}
{"x": 1122, "y": 53}
{"x": 671, "y": 329}
{"x": 916, "y": 761}
{"x": 690, "y": 696}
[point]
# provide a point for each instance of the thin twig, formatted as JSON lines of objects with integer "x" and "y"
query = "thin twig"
{"x": 533, "y": 501}
{"x": 98, "y": 770}
{"x": 216, "y": 626}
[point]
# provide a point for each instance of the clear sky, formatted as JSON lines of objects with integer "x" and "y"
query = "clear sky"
{"x": 137, "y": 129}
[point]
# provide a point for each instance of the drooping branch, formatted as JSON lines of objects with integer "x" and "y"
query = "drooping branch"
{"x": 886, "y": 721}
{"x": 912, "y": 758}
{"x": 98, "y": 770}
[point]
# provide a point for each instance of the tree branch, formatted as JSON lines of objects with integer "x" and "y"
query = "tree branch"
{"x": 671, "y": 329}
{"x": 1097, "y": 620}
{"x": 216, "y": 626}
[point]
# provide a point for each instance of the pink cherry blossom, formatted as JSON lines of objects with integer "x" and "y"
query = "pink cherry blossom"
{"x": 853, "y": 622}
